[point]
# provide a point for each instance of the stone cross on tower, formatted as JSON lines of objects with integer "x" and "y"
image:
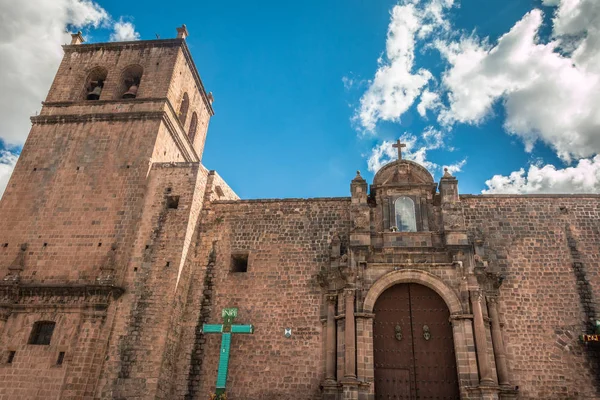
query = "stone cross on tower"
{"x": 226, "y": 329}
{"x": 399, "y": 146}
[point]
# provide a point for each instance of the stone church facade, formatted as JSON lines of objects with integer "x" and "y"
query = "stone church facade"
{"x": 117, "y": 245}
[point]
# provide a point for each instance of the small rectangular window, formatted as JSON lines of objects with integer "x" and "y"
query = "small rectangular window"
{"x": 41, "y": 334}
{"x": 10, "y": 357}
{"x": 172, "y": 202}
{"x": 239, "y": 262}
{"x": 61, "y": 358}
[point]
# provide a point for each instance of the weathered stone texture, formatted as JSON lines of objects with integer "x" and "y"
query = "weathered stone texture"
{"x": 287, "y": 244}
{"x": 74, "y": 192}
{"x": 543, "y": 313}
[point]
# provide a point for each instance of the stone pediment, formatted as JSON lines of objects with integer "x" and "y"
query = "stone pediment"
{"x": 402, "y": 172}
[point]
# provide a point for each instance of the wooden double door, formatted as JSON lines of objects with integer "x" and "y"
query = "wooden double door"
{"x": 413, "y": 346}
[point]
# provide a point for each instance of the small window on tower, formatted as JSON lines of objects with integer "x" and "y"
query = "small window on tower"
{"x": 183, "y": 108}
{"x": 10, "y": 356}
{"x": 173, "y": 202}
{"x": 41, "y": 334}
{"x": 239, "y": 262}
{"x": 193, "y": 126}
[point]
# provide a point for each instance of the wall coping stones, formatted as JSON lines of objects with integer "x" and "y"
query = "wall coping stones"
{"x": 290, "y": 200}
{"x": 540, "y": 196}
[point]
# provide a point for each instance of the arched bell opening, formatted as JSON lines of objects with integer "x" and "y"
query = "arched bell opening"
{"x": 94, "y": 83}
{"x": 129, "y": 83}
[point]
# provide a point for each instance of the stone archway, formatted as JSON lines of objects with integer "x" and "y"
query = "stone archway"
{"x": 412, "y": 276}
{"x": 462, "y": 328}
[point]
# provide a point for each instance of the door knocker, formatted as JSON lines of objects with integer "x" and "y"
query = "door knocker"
{"x": 398, "y": 331}
{"x": 426, "y": 333}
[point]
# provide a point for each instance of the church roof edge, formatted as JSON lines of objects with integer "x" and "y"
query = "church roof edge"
{"x": 285, "y": 200}
{"x": 539, "y": 196}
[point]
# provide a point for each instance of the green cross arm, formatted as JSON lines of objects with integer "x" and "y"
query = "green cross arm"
{"x": 206, "y": 328}
{"x": 242, "y": 329}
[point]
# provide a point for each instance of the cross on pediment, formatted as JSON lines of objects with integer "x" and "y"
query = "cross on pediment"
{"x": 399, "y": 145}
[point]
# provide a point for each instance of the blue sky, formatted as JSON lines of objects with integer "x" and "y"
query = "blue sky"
{"x": 288, "y": 79}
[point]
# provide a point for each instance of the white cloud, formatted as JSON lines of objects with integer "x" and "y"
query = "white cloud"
{"x": 550, "y": 2}
{"x": 31, "y": 33}
{"x": 456, "y": 167}
{"x": 434, "y": 138}
{"x": 396, "y": 85}
{"x": 7, "y": 164}
{"x": 547, "y": 96}
{"x": 123, "y": 32}
{"x": 381, "y": 155}
{"x": 583, "y": 178}
{"x": 576, "y": 25}
{"x": 429, "y": 101}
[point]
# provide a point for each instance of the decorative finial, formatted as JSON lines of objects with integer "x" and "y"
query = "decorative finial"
{"x": 446, "y": 173}
{"x": 182, "y": 32}
{"x": 77, "y": 38}
{"x": 358, "y": 178}
{"x": 399, "y": 145}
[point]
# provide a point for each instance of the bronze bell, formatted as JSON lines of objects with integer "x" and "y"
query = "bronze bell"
{"x": 94, "y": 94}
{"x": 131, "y": 93}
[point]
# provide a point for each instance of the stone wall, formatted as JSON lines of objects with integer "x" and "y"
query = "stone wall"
{"x": 547, "y": 248}
{"x": 287, "y": 242}
{"x": 75, "y": 191}
{"x": 140, "y": 356}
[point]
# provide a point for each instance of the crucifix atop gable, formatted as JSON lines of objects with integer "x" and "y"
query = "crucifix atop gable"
{"x": 399, "y": 145}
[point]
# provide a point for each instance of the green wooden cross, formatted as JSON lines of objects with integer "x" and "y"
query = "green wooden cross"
{"x": 226, "y": 329}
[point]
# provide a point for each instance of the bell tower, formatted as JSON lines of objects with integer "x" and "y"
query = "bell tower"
{"x": 97, "y": 219}
{"x": 113, "y": 110}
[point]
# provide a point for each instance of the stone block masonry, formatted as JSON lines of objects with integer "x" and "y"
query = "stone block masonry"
{"x": 287, "y": 245}
{"x": 547, "y": 248}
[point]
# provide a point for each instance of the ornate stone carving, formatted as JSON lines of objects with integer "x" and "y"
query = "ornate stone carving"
{"x": 323, "y": 278}
{"x": 331, "y": 298}
{"x": 360, "y": 218}
{"x": 66, "y": 296}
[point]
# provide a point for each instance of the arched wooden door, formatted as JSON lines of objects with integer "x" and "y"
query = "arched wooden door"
{"x": 413, "y": 345}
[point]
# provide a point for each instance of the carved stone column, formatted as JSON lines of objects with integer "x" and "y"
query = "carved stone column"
{"x": 485, "y": 370}
{"x": 350, "y": 336}
{"x": 498, "y": 343}
{"x": 331, "y": 342}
